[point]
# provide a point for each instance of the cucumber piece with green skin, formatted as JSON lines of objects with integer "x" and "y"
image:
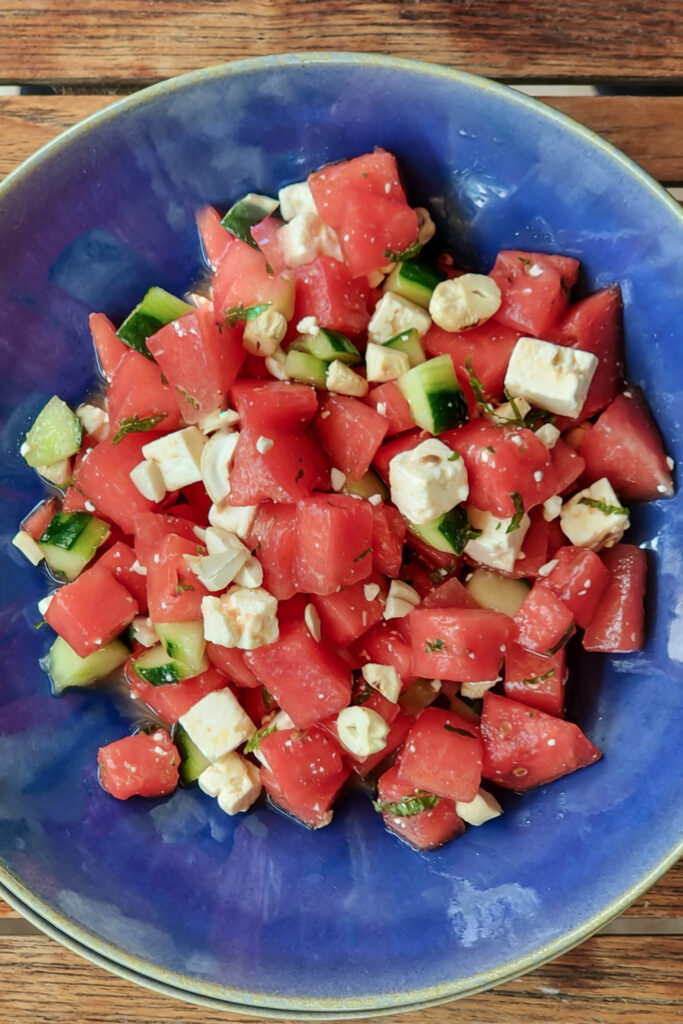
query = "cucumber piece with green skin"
{"x": 66, "y": 669}
{"x": 434, "y": 395}
{"x": 414, "y": 280}
{"x": 154, "y": 666}
{"x": 192, "y": 761}
{"x": 305, "y": 368}
{"x": 55, "y": 435}
{"x": 70, "y": 541}
{"x": 368, "y": 485}
{"x": 157, "y": 308}
{"x": 250, "y": 210}
{"x": 499, "y": 593}
{"x": 184, "y": 642}
{"x": 449, "y": 533}
{"x": 328, "y": 345}
{"x": 408, "y": 342}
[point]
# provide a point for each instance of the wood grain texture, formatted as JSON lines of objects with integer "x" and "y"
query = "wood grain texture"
{"x": 145, "y": 40}
{"x": 647, "y": 128}
{"x": 46, "y": 984}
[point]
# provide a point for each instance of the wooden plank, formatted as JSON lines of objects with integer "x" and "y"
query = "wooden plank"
{"x": 648, "y": 128}
{"x": 143, "y": 40}
{"x": 42, "y": 983}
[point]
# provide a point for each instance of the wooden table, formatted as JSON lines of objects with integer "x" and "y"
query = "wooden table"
{"x": 90, "y": 50}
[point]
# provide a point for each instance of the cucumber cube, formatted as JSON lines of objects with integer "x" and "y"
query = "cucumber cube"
{"x": 55, "y": 435}
{"x": 66, "y": 669}
{"x": 434, "y": 395}
{"x": 157, "y": 308}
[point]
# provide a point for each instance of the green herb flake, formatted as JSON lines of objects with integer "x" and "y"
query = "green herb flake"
{"x": 361, "y": 556}
{"x": 400, "y": 255}
{"x": 460, "y": 732}
{"x": 188, "y": 398}
{"x": 434, "y": 645}
{"x": 562, "y": 641}
{"x": 239, "y": 313}
{"x": 516, "y": 520}
{"x": 477, "y": 387}
{"x": 537, "y": 680}
{"x": 255, "y": 742}
{"x": 180, "y": 587}
{"x": 408, "y": 806}
{"x": 133, "y": 425}
{"x": 266, "y": 698}
{"x": 298, "y": 476}
{"x": 455, "y": 456}
{"x": 363, "y": 694}
{"x": 536, "y": 418}
{"x": 524, "y": 260}
{"x": 490, "y": 448}
{"x": 607, "y": 510}
{"x": 518, "y": 418}
{"x": 39, "y": 625}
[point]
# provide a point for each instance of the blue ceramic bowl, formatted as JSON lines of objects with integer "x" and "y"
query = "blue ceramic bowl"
{"x": 255, "y": 913}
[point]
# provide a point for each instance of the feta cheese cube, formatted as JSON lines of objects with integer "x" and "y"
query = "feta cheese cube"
{"x": 394, "y": 314}
{"x": 233, "y": 780}
{"x": 241, "y": 618}
{"x": 342, "y": 380}
{"x": 94, "y": 420}
{"x": 465, "y": 301}
{"x": 548, "y": 434}
{"x": 149, "y": 480}
{"x": 594, "y": 518}
{"x": 178, "y": 456}
{"x": 362, "y": 731}
{"x": 250, "y": 575}
{"x": 550, "y": 376}
{"x": 401, "y": 600}
{"x": 237, "y": 519}
{"x": 264, "y": 332}
{"x": 483, "y": 808}
{"x": 29, "y": 547}
{"x": 552, "y": 508}
{"x": 217, "y": 724}
{"x": 494, "y": 546}
{"x": 216, "y": 463}
{"x": 296, "y": 199}
{"x": 306, "y": 237}
{"x": 384, "y": 364}
{"x": 427, "y": 481}
{"x": 385, "y": 679}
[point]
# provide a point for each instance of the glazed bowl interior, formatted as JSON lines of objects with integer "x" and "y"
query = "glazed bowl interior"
{"x": 254, "y": 912}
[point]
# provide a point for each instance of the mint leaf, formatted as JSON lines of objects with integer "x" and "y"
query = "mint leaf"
{"x": 361, "y": 556}
{"x": 239, "y": 313}
{"x": 608, "y": 510}
{"x": 133, "y": 425}
{"x": 408, "y": 806}
{"x": 477, "y": 387}
{"x": 400, "y": 255}
{"x": 460, "y": 732}
{"x": 188, "y": 398}
{"x": 434, "y": 645}
{"x": 537, "y": 680}
{"x": 516, "y": 520}
{"x": 255, "y": 741}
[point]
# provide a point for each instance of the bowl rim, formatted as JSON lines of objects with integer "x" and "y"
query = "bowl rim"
{"x": 174, "y": 984}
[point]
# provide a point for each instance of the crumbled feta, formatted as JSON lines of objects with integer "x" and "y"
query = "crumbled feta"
{"x": 483, "y": 808}
{"x": 29, "y": 547}
{"x": 548, "y": 433}
{"x": 375, "y": 278}
{"x": 149, "y": 480}
{"x": 552, "y": 508}
{"x": 216, "y": 463}
{"x": 237, "y": 519}
{"x": 296, "y": 199}
{"x": 233, "y": 780}
{"x": 264, "y": 332}
{"x": 474, "y": 691}
{"x": 375, "y": 499}
{"x": 385, "y": 679}
{"x": 465, "y": 301}
{"x": 383, "y": 364}
{"x": 275, "y": 365}
{"x": 305, "y": 237}
{"x": 548, "y": 567}
{"x": 592, "y": 527}
{"x": 362, "y": 731}
{"x": 427, "y": 481}
{"x": 45, "y": 603}
{"x": 264, "y": 444}
{"x": 59, "y": 473}
{"x": 342, "y": 380}
{"x": 401, "y": 600}
{"x": 143, "y": 631}
{"x": 312, "y": 621}
{"x": 213, "y": 421}
{"x": 337, "y": 479}
{"x": 394, "y": 314}
{"x": 250, "y": 575}
{"x": 227, "y": 556}
{"x": 178, "y": 456}
{"x": 552, "y": 377}
{"x": 241, "y": 618}
{"x": 217, "y": 723}
{"x": 494, "y": 546}
{"x": 308, "y": 325}
{"x": 371, "y": 591}
{"x": 94, "y": 420}
{"x": 505, "y": 412}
